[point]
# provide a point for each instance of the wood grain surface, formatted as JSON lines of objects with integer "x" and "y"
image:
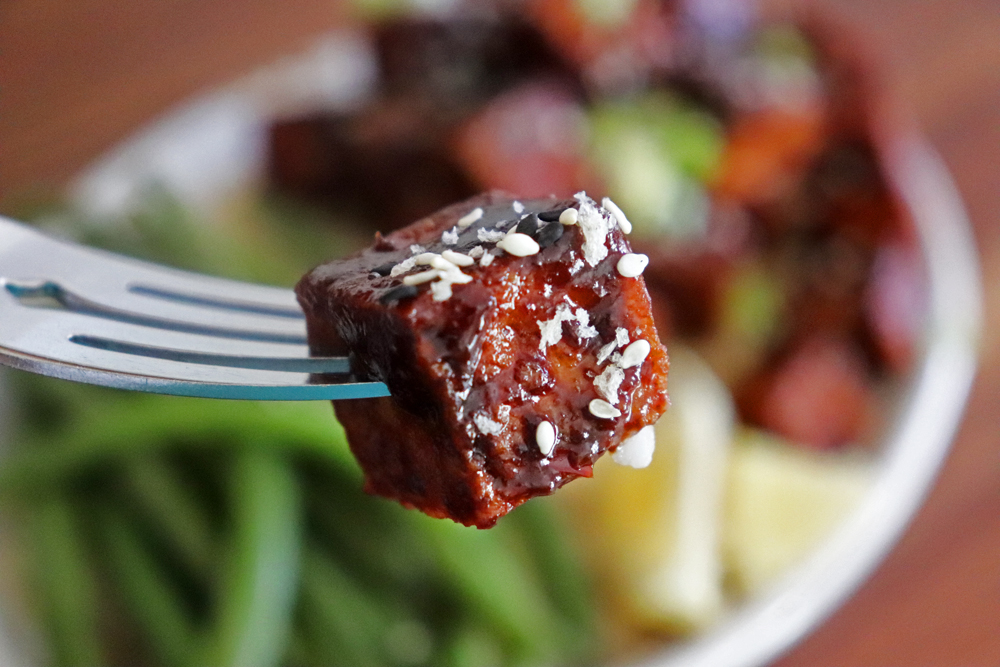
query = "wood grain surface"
{"x": 78, "y": 75}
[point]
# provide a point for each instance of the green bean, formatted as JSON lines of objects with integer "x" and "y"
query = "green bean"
{"x": 254, "y": 607}
{"x": 146, "y": 591}
{"x": 493, "y": 580}
{"x": 300, "y": 653}
{"x": 366, "y": 534}
{"x": 363, "y": 535}
{"x": 140, "y": 426}
{"x": 172, "y": 509}
{"x": 470, "y": 646}
{"x": 561, "y": 575}
{"x": 66, "y": 583}
{"x": 346, "y": 624}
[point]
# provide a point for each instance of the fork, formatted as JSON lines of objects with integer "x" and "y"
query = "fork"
{"x": 88, "y": 315}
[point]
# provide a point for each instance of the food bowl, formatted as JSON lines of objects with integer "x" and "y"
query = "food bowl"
{"x": 212, "y": 147}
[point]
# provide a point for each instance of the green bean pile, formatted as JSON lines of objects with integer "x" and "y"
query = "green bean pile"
{"x": 181, "y": 532}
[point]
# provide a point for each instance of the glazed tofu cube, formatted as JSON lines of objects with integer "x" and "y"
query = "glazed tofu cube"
{"x": 517, "y": 340}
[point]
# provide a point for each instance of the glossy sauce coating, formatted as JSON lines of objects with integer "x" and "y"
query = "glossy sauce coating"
{"x": 470, "y": 380}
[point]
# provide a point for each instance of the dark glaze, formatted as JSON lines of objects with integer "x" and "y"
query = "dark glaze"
{"x": 478, "y": 353}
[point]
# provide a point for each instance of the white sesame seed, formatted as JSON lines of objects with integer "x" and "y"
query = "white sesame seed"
{"x": 439, "y": 262}
{"x": 569, "y": 216}
{"x": 457, "y": 258}
{"x": 635, "y": 354}
{"x": 456, "y": 276}
{"x": 441, "y": 290}
{"x": 487, "y": 259}
{"x": 450, "y": 237}
{"x": 425, "y": 257}
{"x": 470, "y": 217}
{"x": 421, "y": 278}
{"x": 603, "y": 410}
{"x": 618, "y": 214}
{"x": 545, "y": 438}
{"x": 519, "y": 245}
{"x": 632, "y": 264}
{"x": 518, "y": 207}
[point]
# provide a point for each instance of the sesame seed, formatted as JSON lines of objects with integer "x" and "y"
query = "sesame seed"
{"x": 456, "y": 276}
{"x": 619, "y": 216}
{"x": 384, "y": 269}
{"x": 569, "y": 216}
{"x": 549, "y": 234}
{"x": 425, "y": 257}
{"x": 398, "y": 293}
{"x": 632, "y": 264}
{"x": 421, "y": 278}
{"x": 519, "y": 245}
{"x": 528, "y": 225}
{"x": 457, "y": 258}
{"x": 603, "y": 410}
{"x": 635, "y": 354}
{"x": 439, "y": 262}
{"x": 545, "y": 438}
{"x": 518, "y": 207}
{"x": 441, "y": 290}
{"x": 470, "y": 217}
{"x": 551, "y": 216}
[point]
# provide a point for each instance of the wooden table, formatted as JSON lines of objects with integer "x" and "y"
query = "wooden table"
{"x": 78, "y": 75}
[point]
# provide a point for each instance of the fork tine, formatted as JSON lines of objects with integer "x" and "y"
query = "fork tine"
{"x": 170, "y": 362}
{"x": 233, "y": 383}
{"x": 94, "y": 280}
{"x": 260, "y": 306}
{"x": 336, "y": 365}
{"x": 167, "y": 331}
{"x": 209, "y": 320}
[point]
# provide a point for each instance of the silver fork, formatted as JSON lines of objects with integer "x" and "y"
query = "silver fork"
{"x": 91, "y": 316}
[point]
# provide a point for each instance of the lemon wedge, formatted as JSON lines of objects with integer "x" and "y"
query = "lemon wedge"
{"x": 783, "y": 500}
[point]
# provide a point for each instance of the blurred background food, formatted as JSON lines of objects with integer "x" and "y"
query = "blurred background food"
{"x": 144, "y": 526}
